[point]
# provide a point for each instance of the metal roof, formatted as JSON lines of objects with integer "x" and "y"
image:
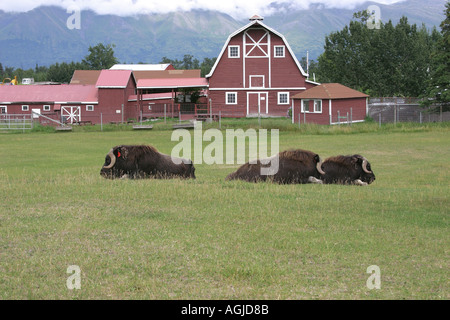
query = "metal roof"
{"x": 85, "y": 77}
{"x": 48, "y": 94}
{"x": 330, "y": 91}
{"x": 193, "y": 73}
{"x": 114, "y": 78}
{"x": 172, "y": 83}
{"x": 141, "y": 67}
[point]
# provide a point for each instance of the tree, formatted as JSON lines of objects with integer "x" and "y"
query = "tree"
{"x": 189, "y": 63}
{"x": 438, "y": 85}
{"x": 385, "y": 61}
{"x": 100, "y": 57}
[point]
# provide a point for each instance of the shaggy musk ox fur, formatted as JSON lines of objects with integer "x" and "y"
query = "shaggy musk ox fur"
{"x": 144, "y": 162}
{"x": 295, "y": 166}
{"x": 353, "y": 169}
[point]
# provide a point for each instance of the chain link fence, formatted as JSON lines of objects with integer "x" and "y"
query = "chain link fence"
{"x": 393, "y": 110}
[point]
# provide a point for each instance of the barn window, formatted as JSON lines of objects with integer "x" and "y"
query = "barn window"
{"x": 283, "y": 97}
{"x": 25, "y": 107}
{"x": 46, "y": 107}
{"x": 231, "y": 97}
{"x": 305, "y": 105}
{"x": 279, "y": 51}
{"x": 89, "y": 107}
{"x": 317, "y": 105}
{"x": 3, "y": 109}
{"x": 233, "y": 52}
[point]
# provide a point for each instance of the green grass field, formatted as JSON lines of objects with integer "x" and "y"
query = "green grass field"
{"x": 211, "y": 239}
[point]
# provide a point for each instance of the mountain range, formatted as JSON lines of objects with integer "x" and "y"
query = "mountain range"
{"x": 41, "y": 36}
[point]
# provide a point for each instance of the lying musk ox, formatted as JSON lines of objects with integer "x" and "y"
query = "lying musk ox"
{"x": 294, "y": 166}
{"x": 353, "y": 169}
{"x": 144, "y": 162}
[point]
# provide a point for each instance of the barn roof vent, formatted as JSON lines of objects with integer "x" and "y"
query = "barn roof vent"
{"x": 256, "y": 17}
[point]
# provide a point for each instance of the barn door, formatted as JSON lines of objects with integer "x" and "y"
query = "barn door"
{"x": 71, "y": 114}
{"x": 256, "y": 103}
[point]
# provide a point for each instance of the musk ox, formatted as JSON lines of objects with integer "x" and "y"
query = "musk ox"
{"x": 354, "y": 169}
{"x": 294, "y": 166}
{"x": 144, "y": 162}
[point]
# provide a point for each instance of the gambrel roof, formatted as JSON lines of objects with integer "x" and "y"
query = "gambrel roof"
{"x": 256, "y": 22}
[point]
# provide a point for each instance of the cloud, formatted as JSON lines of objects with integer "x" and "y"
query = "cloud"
{"x": 236, "y": 8}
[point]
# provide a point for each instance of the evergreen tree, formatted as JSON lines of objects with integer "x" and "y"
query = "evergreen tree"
{"x": 385, "y": 61}
{"x": 438, "y": 86}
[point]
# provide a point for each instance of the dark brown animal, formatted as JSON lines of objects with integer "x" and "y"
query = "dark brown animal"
{"x": 144, "y": 162}
{"x": 354, "y": 169}
{"x": 294, "y": 166}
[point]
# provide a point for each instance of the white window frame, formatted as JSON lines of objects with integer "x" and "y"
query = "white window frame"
{"x": 90, "y": 107}
{"x": 229, "y": 94}
{"x": 280, "y": 94}
{"x": 258, "y": 76}
{"x": 313, "y": 107}
{"x": 6, "y": 109}
{"x": 25, "y": 107}
{"x": 275, "y": 51}
{"x": 46, "y": 107}
{"x": 238, "y": 52}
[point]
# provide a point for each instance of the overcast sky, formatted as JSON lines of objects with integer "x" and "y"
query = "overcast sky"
{"x": 235, "y": 8}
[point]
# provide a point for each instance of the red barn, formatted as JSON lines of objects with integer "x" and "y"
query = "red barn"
{"x": 329, "y": 103}
{"x": 256, "y": 73}
{"x": 114, "y": 89}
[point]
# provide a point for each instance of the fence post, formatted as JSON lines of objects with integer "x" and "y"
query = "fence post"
{"x": 299, "y": 117}
{"x": 420, "y": 116}
{"x": 339, "y": 118}
{"x": 379, "y": 118}
{"x": 395, "y": 114}
{"x": 440, "y": 112}
{"x": 304, "y": 117}
{"x": 351, "y": 116}
{"x": 348, "y": 122}
{"x": 101, "y": 121}
{"x": 165, "y": 113}
{"x": 220, "y": 119}
{"x": 179, "y": 116}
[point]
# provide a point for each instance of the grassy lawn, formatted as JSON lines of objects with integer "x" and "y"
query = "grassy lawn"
{"x": 211, "y": 239}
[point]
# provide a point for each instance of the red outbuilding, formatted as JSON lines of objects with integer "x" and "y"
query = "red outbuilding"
{"x": 329, "y": 103}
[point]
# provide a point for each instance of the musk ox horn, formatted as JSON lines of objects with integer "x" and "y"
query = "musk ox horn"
{"x": 113, "y": 160}
{"x": 319, "y": 166}
{"x": 364, "y": 166}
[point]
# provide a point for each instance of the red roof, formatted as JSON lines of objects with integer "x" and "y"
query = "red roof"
{"x": 172, "y": 83}
{"x": 114, "y": 78}
{"x": 48, "y": 93}
{"x": 330, "y": 91}
{"x": 152, "y": 96}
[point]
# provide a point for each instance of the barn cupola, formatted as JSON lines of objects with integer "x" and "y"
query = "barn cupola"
{"x": 256, "y": 17}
